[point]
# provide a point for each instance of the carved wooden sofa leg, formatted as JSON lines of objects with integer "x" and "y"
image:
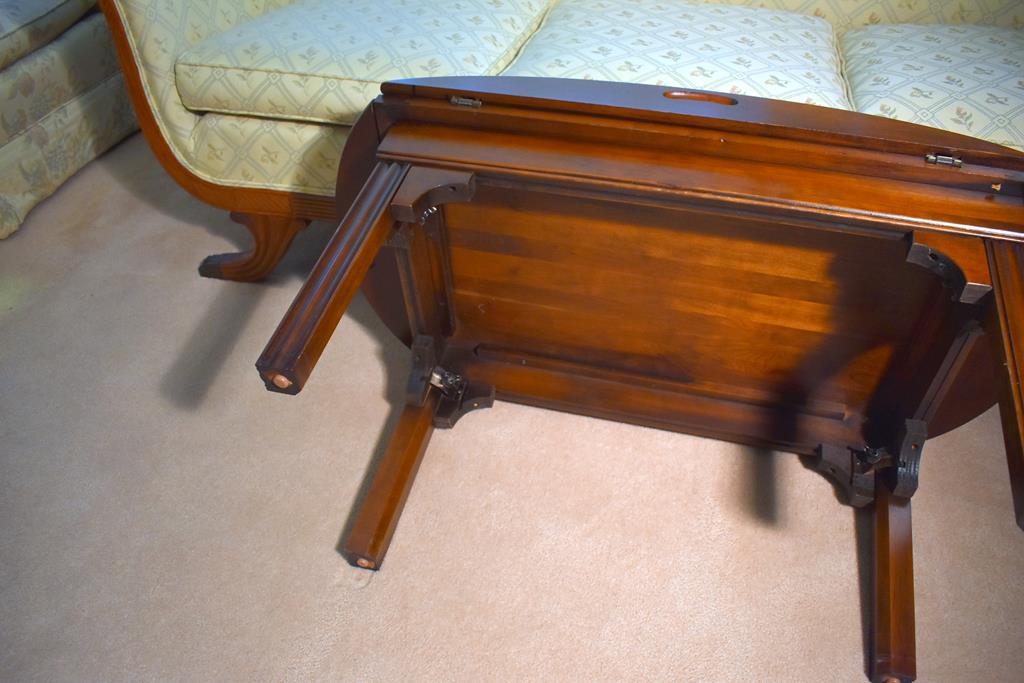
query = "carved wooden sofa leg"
{"x": 272, "y": 235}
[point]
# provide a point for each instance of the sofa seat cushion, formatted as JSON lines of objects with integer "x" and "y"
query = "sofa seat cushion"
{"x": 743, "y": 50}
{"x": 27, "y": 25}
{"x": 324, "y": 60}
{"x": 967, "y": 79}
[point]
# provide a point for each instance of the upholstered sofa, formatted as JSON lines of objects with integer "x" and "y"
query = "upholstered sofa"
{"x": 248, "y": 103}
{"x": 62, "y": 99}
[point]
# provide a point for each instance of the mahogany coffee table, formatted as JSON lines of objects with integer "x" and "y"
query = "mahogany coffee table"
{"x": 805, "y": 279}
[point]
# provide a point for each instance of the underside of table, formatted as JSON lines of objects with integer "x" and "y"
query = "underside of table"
{"x": 787, "y": 276}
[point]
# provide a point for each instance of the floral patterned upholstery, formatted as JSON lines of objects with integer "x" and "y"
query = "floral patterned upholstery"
{"x": 161, "y": 30}
{"x": 60, "y": 107}
{"x": 26, "y": 25}
{"x": 246, "y": 151}
{"x": 293, "y": 156}
{"x": 848, "y": 14}
{"x": 44, "y": 80}
{"x": 967, "y": 79}
{"x": 742, "y": 50}
{"x": 324, "y": 60}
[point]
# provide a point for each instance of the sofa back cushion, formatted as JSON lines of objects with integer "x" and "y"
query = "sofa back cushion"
{"x": 324, "y": 60}
{"x": 848, "y": 14}
{"x": 967, "y": 79}
{"x": 743, "y": 50}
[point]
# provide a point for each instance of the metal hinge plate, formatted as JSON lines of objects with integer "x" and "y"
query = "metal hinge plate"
{"x": 944, "y": 160}
{"x": 465, "y": 102}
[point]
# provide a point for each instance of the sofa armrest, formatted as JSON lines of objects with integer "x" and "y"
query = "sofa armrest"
{"x": 150, "y": 35}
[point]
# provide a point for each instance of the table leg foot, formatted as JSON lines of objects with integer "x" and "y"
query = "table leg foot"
{"x": 893, "y": 655}
{"x": 376, "y": 516}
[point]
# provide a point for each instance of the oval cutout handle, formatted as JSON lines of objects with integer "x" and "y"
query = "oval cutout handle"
{"x": 699, "y": 97}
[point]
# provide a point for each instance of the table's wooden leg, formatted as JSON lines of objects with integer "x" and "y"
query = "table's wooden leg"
{"x": 1005, "y": 327}
{"x": 376, "y": 516}
{"x": 893, "y": 657}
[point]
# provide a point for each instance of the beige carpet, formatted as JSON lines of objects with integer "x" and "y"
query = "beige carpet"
{"x": 163, "y": 517}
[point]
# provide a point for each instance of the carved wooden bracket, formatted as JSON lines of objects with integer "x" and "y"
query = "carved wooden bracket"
{"x": 473, "y": 396}
{"x": 859, "y": 471}
{"x": 958, "y": 261}
{"x": 848, "y": 472}
{"x": 424, "y": 189}
{"x": 458, "y": 395}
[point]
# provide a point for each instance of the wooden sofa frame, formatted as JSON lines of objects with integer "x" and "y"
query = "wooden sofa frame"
{"x": 272, "y": 217}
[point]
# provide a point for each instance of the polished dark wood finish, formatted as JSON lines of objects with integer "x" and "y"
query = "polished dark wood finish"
{"x": 428, "y": 188}
{"x": 893, "y": 654}
{"x": 271, "y": 235}
{"x": 387, "y": 197}
{"x": 773, "y": 274}
{"x": 375, "y": 519}
{"x": 304, "y": 332}
{"x": 1006, "y": 326}
{"x": 277, "y": 212}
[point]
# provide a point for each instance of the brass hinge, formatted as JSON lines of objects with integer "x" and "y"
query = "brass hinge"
{"x": 465, "y": 102}
{"x": 944, "y": 160}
